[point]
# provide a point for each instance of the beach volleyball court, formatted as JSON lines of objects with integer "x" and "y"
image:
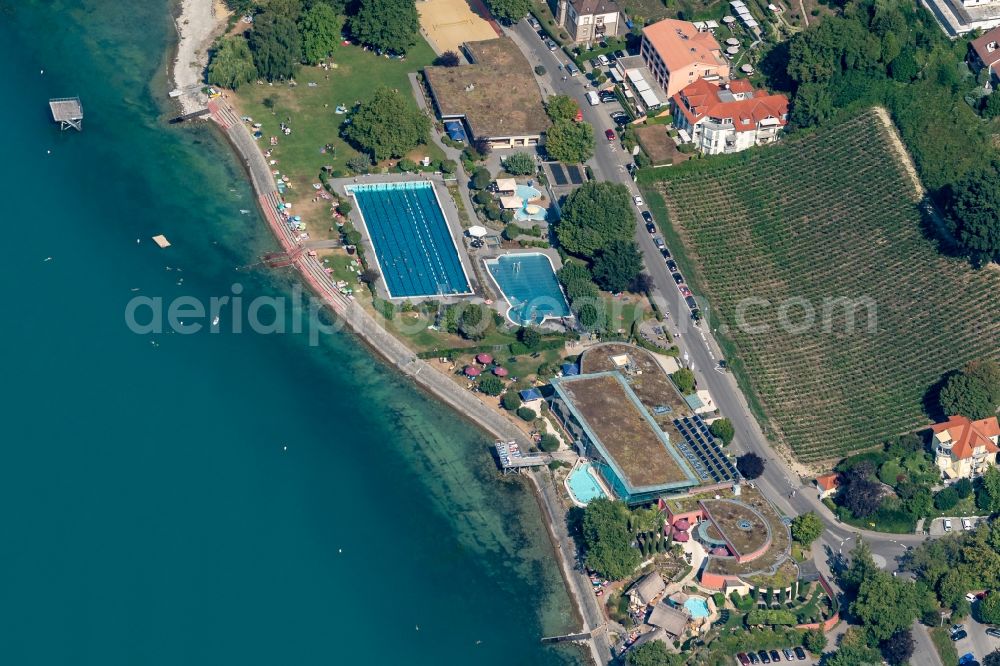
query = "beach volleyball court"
{"x": 448, "y": 23}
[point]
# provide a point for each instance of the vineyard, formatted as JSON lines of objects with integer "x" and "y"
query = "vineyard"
{"x": 826, "y": 216}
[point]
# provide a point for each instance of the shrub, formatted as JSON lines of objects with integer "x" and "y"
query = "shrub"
{"x": 946, "y": 499}
{"x": 481, "y": 178}
{"x": 719, "y": 599}
{"x": 448, "y": 166}
{"x": 510, "y": 401}
{"x": 548, "y": 443}
{"x": 490, "y": 385}
{"x": 526, "y": 414}
{"x": 385, "y": 308}
{"x": 518, "y": 348}
{"x": 684, "y": 379}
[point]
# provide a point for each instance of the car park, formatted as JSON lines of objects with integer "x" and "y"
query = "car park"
{"x": 650, "y": 227}
{"x": 743, "y": 658}
{"x": 638, "y": 200}
{"x": 800, "y": 654}
{"x": 610, "y": 134}
{"x": 764, "y": 658}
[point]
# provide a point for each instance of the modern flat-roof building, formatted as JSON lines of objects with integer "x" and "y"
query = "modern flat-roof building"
{"x": 496, "y": 96}
{"x": 589, "y": 21}
{"x": 610, "y": 425}
{"x": 728, "y": 118}
{"x": 959, "y": 17}
{"x": 640, "y": 85}
{"x": 677, "y": 54}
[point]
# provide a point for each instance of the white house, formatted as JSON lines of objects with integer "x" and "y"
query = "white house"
{"x": 727, "y": 118}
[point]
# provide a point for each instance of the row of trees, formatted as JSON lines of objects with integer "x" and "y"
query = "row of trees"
{"x": 894, "y": 54}
{"x": 288, "y": 33}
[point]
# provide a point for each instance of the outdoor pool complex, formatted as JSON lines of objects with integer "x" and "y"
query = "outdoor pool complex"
{"x": 697, "y": 607}
{"x": 415, "y": 251}
{"x": 529, "y": 285}
{"x": 536, "y": 213}
{"x": 583, "y": 485}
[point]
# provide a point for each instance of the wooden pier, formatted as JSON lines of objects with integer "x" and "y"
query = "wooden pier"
{"x": 68, "y": 112}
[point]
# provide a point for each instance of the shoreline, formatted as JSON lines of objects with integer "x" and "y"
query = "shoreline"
{"x": 197, "y": 23}
{"x": 380, "y": 342}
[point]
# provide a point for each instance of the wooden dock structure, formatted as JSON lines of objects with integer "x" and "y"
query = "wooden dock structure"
{"x": 68, "y": 112}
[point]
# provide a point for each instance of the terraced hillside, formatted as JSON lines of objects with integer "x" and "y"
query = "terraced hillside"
{"x": 822, "y": 217}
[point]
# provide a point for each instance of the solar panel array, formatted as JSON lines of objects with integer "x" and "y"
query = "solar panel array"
{"x": 702, "y": 453}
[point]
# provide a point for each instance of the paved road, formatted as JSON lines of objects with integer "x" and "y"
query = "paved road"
{"x": 924, "y": 653}
{"x": 780, "y": 482}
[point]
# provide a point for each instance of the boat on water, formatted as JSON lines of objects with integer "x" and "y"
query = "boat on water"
{"x": 215, "y": 322}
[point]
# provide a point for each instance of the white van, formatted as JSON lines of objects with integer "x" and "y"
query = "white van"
{"x": 593, "y": 98}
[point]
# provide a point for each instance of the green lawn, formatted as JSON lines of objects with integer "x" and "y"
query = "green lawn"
{"x": 944, "y": 645}
{"x": 310, "y": 112}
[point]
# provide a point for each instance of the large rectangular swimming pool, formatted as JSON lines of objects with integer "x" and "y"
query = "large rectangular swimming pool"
{"x": 413, "y": 246}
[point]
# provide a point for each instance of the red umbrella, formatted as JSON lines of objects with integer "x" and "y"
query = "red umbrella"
{"x": 720, "y": 550}
{"x": 681, "y": 536}
{"x": 484, "y": 358}
{"x": 500, "y": 372}
{"x": 471, "y": 371}
{"x": 681, "y": 524}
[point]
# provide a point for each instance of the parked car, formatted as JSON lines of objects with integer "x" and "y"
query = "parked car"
{"x": 966, "y": 524}
{"x": 665, "y": 252}
{"x": 764, "y": 659}
{"x": 800, "y": 654}
{"x": 685, "y": 292}
{"x": 650, "y": 227}
{"x": 595, "y": 63}
{"x": 788, "y": 655}
{"x": 672, "y": 265}
{"x": 533, "y": 22}
{"x": 638, "y": 200}
{"x": 572, "y": 69}
{"x": 947, "y": 525}
{"x": 603, "y": 59}
{"x": 552, "y": 45}
{"x": 678, "y": 278}
{"x": 619, "y": 54}
{"x": 647, "y": 216}
{"x": 959, "y": 635}
{"x": 743, "y": 658}
{"x": 610, "y": 134}
{"x": 754, "y": 659}
{"x": 994, "y": 632}
{"x": 541, "y": 35}
{"x": 775, "y": 657}
{"x": 659, "y": 243}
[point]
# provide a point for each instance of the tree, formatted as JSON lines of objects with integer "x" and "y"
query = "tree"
{"x": 814, "y": 641}
{"x": 570, "y": 142}
{"x": 481, "y": 178}
{"x": 320, "y": 27}
{"x": 387, "y": 125}
{"x": 448, "y": 59}
{"x": 594, "y": 215}
{"x": 992, "y": 659}
{"x": 685, "y": 381}
{"x": 723, "y": 429}
{"x": 369, "y": 276}
{"x": 898, "y": 648}
{"x": 807, "y": 528}
{"x": 904, "y": 67}
{"x": 750, "y": 466}
{"x": 548, "y": 443}
{"x": 854, "y": 651}
{"x": 490, "y": 385}
{"x": 974, "y": 213}
{"x": 963, "y": 487}
{"x": 529, "y": 337}
{"x": 966, "y": 395}
{"x": 232, "y": 64}
{"x": 608, "y": 540}
{"x": 617, "y": 265}
{"x": 988, "y": 493}
{"x": 276, "y": 46}
{"x": 510, "y": 401}
{"x": 990, "y": 105}
{"x": 987, "y": 371}
{"x": 642, "y": 283}
{"x": 813, "y": 105}
{"x": 561, "y": 107}
{"x": 946, "y": 499}
{"x": 885, "y": 605}
{"x": 526, "y": 414}
{"x": 860, "y": 495}
{"x": 386, "y": 25}
{"x": 474, "y": 321}
{"x": 653, "y": 653}
{"x": 509, "y": 11}
{"x": 989, "y": 608}
{"x": 360, "y": 164}
{"x": 519, "y": 164}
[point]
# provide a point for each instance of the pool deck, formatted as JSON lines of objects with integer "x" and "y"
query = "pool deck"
{"x": 452, "y": 220}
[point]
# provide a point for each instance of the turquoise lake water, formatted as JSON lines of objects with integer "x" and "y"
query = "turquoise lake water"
{"x": 151, "y": 513}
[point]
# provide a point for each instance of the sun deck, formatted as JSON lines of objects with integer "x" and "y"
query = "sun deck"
{"x": 67, "y": 111}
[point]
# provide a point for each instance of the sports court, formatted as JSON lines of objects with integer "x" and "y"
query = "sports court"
{"x": 414, "y": 249}
{"x": 446, "y": 24}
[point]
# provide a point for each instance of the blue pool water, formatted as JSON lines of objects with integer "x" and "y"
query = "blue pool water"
{"x": 529, "y": 284}
{"x": 697, "y": 607}
{"x": 415, "y": 250}
{"x": 527, "y": 193}
{"x": 583, "y": 485}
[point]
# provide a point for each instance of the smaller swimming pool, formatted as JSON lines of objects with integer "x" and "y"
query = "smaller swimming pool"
{"x": 528, "y": 283}
{"x": 697, "y": 607}
{"x": 529, "y": 211}
{"x": 583, "y": 486}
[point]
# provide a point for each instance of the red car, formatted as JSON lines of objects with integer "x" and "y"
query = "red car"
{"x": 610, "y": 134}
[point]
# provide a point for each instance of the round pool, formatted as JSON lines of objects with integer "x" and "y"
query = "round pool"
{"x": 697, "y": 607}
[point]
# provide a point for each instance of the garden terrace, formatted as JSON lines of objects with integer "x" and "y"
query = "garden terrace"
{"x": 618, "y": 423}
{"x": 742, "y": 527}
{"x": 653, "y": 387}
{"x": 830, "y": 215}
{"x": 497, "y": 94}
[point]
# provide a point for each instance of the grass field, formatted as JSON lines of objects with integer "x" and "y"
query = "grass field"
{"x": 821, "y": 217}
{"x": 944, "y": 645}
{"x": 310, "y": 111}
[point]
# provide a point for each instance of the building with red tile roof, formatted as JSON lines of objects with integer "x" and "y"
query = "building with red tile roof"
{"x": 964, "y": 448}
{"x": 677, "y": 53}
{"x": 984, "y": 53}
{"x": 728, "y": 118}
{"x": 827, "y": 484}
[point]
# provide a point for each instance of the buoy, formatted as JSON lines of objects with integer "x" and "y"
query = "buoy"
{"x": 48, "y": 152}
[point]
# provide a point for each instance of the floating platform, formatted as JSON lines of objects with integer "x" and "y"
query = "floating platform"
{"x": 68, "y": 112}
{"x": 161, "y": 240}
